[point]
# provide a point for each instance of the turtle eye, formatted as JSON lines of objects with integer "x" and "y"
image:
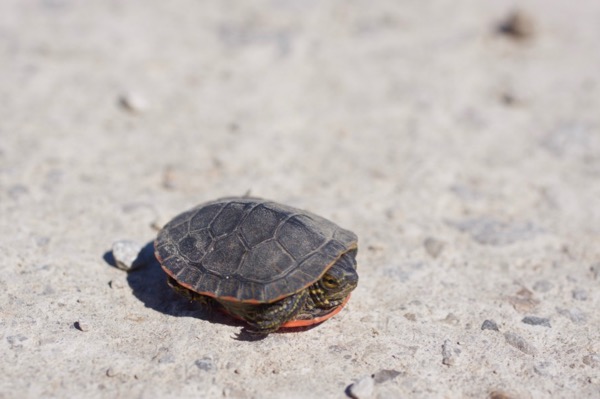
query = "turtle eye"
{"x": 329, "y": 282}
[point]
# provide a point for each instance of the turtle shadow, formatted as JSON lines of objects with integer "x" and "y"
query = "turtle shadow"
{"x": 149, "y": 285}
{"x": 148, "y": 282}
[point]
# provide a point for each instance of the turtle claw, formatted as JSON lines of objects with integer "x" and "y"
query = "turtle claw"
{"x": 250, "y": 335}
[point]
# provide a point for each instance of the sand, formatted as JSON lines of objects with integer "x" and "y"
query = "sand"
{"x": 459, "y": 140}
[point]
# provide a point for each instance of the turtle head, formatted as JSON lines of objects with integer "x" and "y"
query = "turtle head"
{"x": 337, "y": 282}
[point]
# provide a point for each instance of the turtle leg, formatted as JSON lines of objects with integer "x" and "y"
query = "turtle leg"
{"x": 266, "y": 319}
{"x": 189, "y": 294}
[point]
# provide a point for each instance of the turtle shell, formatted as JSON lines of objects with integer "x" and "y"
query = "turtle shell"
{"x": 249, "y": 249}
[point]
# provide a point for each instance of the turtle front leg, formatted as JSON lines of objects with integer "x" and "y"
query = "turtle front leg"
{"x": 268, "y": 318}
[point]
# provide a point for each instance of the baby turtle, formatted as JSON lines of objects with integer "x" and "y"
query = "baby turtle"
{"x": 268, "y": 264}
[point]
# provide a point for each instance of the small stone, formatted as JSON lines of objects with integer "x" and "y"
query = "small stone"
{"x": 133, "y": 102}
{"x": 434, "y": 247}
{"x": 524, "y": 293}
{"x": 523, "y": 301}
{"x": 205, "y": 364}
{"x": 489, "y": 325}
{"x": 488, "y": 231}
{"x": 507, "y": 98}
{"x": 17, "y": 191}
{"x": 410, "y": 316}
{"x": 517, "y": 26}
{"x": 451, "y": 319}
{"x": 500, "y": 395}
{"x": 82, "y": 326}
{"x": 519, "y": 342}
{"x": 543, "y": 286}
{"x": 579, "y": 294}
{"x": 449, "y": 353}
{"x": 110, "y": 372}
{"x": 361, "y": 389}
{"x": 16, "y": 341}
{"x": 542, "y": 368}
{"x": 537, "y": 321}
{"x": 576, "y": 315}
{"x": 127, "y": 254}
{"x": 592, "y": 360}
{"x": 595, "y": 269}
{"x": 385, "y": 375}
{"x": 166, "y": 358}
{"x": 116, "y": 284}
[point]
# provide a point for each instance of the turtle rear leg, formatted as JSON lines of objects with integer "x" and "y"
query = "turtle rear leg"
{"x": 186, "y": 293}
{"x": 268, "y": 318}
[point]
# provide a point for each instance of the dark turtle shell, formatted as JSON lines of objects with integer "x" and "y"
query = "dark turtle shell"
{"x": 249, "y": 249}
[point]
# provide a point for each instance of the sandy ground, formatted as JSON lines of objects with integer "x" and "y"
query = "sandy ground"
{"x": 465, "y": 156}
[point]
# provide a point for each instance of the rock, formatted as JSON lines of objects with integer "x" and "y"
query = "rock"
{"x": 385, "y": 375}
{"x": 520, "y": 343}
{"x": 489, "y": 231}
{"x": 449, "y": 353}
{"x": 579, "y": 294}
{"x": 489, "y": 325}
{"x": 537, "y": 321}
{"x": 576, "y": 315}
{"x": 206, "y": 364}
{"x": 523, "y": 301}
{"x": 82, "y": 326}
{"x": 133, "y": 102}
{"x": 410, "y": 316}
{"x": 361, "y": 389}
{"x": 433, "y": 247}
{"x": 517, "y": 26}
{"x": 500, "y": 395}
{"x": 127, "y": 254}
{"x": 451, "y": 319}
{"x": 592, "y": 360}
{"x": 16, "y": 341}
{"x": 595, "y": 269}
{"x": 543, "y": 368}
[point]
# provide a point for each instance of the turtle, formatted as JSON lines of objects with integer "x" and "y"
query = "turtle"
{"x": 271, "y": 265}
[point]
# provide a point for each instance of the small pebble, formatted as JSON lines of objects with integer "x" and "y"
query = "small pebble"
{"x": 543, "y": 286}
{"x": 449, "y": 353}
{"x": 133, "y": 102}
{"x": 542, "y": 368}
{"x": 537, "y": 321}
{"x": 362, "y": 388}
{"x": 116, "y": 284}
{"x": 519, "y": 342}
{"x": 205, "y": 364}
{"x": 489, "y": 325}
{"x": 500, "y": 395}
{"x": 82, "y": 326}
{"x": 385, "y": 375}
{"x": 523, "y": 301}
{"x": 126, "y": 254}
{"x": 595, "y": 269}
{"x": 592, "y": 360}
{"x": 110, "y": 372}
{"x": 16, "y": 341}
{"x": 434, "y": 247}
{"x": 451, "y": 319}
{"x": 488, "y": 231}
{"x": 17, "y": 191}
{"x": 579, "y": 294}
{"x": 517, "y": 25}
{"x": 410, "y": 316}
{"x": 576, "y": 315}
